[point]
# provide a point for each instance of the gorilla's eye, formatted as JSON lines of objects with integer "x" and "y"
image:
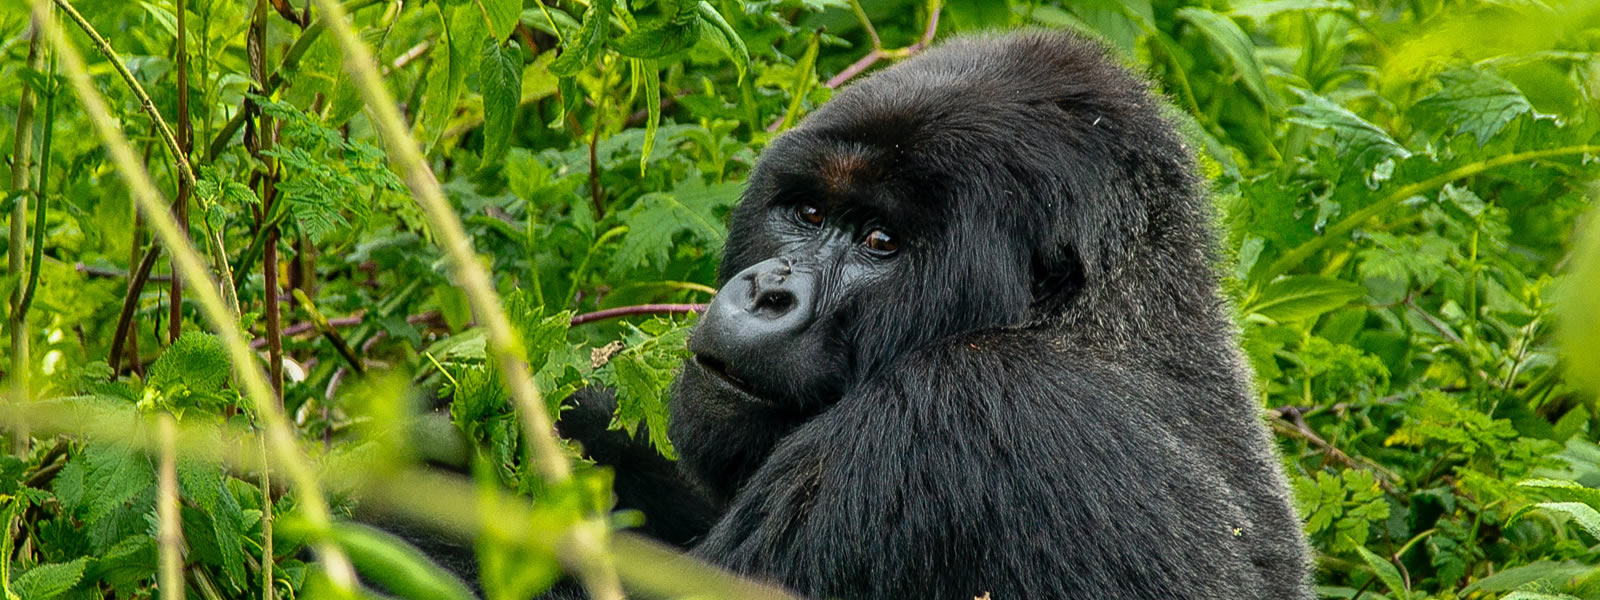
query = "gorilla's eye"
{"x": 809, "y": 213}
{"x": 880, "y": 241}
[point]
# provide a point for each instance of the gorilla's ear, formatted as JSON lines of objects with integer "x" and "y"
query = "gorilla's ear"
{"x": 1057, "y": 279}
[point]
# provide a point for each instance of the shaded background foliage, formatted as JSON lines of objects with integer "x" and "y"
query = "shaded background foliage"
{"x": 1400, "y": 185}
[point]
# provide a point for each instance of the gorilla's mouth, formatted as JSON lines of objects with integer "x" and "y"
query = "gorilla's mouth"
{"x": 720, "y": 370}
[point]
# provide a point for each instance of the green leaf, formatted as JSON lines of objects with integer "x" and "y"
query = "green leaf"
{"x": 465, "y": 30}
{"x": 49, "y": 580}
{"x": 1358, "y": 141}
{"x": 1476, "y": 101}
{"x": 205, "y": 485}
{"x": 114, "y": 475}
{"x": 1386, "y": 571}
{"x": 1261, "y": 11}
{"x": 726, "y": 39}
{"x": 197, "y": 363}
{"x": 1234, "y": 45}
{"x": 501, "y": 16}
{"x": 1583, "y": 514}
{"x": 657, "y": 217}
{"x": 1302, "y": 296}
{"x": 582, "y": 51}
{"x": 388, "y": 560}
{"x": 1579, "y": 333}
{"x": 652, "y": 100}
{"x": 641, "y": 374}
{"x": 660, "y": 40}
{"x": 500, "y": 74}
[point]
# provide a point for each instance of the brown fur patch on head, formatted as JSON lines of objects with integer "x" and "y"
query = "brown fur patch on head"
{"x": 842, "y": 170}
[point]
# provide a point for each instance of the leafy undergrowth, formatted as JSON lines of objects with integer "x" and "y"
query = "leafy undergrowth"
{"x": 1401, "y": 186}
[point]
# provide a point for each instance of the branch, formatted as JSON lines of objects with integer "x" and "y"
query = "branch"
{"x": 642, "y": 309}
{"x": 878, "y": 52}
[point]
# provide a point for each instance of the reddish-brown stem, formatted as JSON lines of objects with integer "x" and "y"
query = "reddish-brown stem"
{"x": 185, "y": 134}
{"x": 641, "y": 309}
{"x": 878, "y": 53}
{"x": 130, "y": 301}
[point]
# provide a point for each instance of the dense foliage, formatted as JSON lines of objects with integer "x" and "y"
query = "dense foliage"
{"x": 1401, "y": 186}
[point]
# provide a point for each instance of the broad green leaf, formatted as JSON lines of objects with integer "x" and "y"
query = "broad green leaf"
{"x": 114, "y": 475}
{"x": 205, "y": 486}
{"x": 500, "y": 75}
{"x": 1387, "y": 573}
{"x": 1234, "y": 45}
{"x": 388, "y": 560}
{"x": 1515, "y": 577}
{"x": 197, "y": 362}
{"x": 657, "y": 217}
{"x": 500, "y": 16}
{"x": 660, "y": 40}
{"x": 725, "y": 38}
{"x": 1476, "y": 101}
{"x": 47, "y": 581}
{"x": 1582, "y": 514}
{"x": 580, "y": 52}
{"x": 641, "y": 374}
{"x": 1302, "y": 296}
{"x": 1358, "y": 141}
{"x": 465, "y": 30}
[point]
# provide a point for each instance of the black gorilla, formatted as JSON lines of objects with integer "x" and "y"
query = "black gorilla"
{"x": 969, "y": 341}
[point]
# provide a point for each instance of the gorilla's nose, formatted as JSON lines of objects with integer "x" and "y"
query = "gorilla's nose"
{"x": 757, "y": 318}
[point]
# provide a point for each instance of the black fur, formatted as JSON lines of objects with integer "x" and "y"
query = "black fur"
{"x": 1037, "y": 395}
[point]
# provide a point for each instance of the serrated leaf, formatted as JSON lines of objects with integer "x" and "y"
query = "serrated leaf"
{"x": 197, "y": 361}
{"x": 580, "y": 52}
{"x": 47, "y": 581}
{"x": 1357, "y": 140}
{"x": 1476, "y": 101}
{"x": 465, "y": 30}
{"x": 1303, "y": 296}
{"x": 501, "y": 16}
{"x": 205, "y": 485}
{"x": 642, "y": 373}
{"x": 723, "y": 36}
{"x": 113, "y": 476}
{"x": 1236, "y": 47}
{"x": 657, "y": 217}
{"x": 500, "y": 75}
{"x": 1582, "y": 514}
{"x": 659, "y": 40}
{"x": 1387, "y": 573}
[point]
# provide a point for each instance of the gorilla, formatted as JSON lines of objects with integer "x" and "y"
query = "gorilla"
{"x": 968, "y": 340}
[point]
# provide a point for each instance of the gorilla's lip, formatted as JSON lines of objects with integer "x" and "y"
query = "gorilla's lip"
{"x": 719, "y": 371}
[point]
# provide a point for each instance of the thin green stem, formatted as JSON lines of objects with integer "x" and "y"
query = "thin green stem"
{"x": 282, "y": 438}
{"x": 1337, "y": 231}
{"x": 41, "y": 201}
{"x": 169, "y": 525}
{"x": 17, "y": 321}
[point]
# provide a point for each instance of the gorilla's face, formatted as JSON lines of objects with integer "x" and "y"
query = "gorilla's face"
{"x": 845, "y": 254}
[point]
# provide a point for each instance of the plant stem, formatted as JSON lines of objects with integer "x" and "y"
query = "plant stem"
{"x": 180, "y": 205}
{"x": 283, "y": 440}
{"x": 641, "y": 309}
{"x": 17, "y": 321}
{"x": 1337, "y": 231}
{"x": 169, "y": 524}
{"x": 259, "y": 144}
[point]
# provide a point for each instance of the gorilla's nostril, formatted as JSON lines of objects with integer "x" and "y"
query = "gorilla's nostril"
{"x": 777, "y": 302}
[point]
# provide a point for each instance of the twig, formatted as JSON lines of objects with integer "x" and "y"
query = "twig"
{"x": 1297, "y": 428}
{"x": 642, "y": 309}
{"x": 260, "y": 144}
{"x": 329, "y": 333}
{"x": 130, "y": 301}
{"x": 878, "y": 52}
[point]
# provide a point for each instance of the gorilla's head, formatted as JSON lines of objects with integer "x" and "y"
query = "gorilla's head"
{"x": 988, "y": 183}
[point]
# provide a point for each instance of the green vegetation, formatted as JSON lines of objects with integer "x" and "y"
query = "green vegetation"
{"x": 1402, "y": 188}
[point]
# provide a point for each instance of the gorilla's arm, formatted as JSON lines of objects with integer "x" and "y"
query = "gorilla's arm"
{"x": 676, "y": 512}
{"x": 955, "y": 460}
